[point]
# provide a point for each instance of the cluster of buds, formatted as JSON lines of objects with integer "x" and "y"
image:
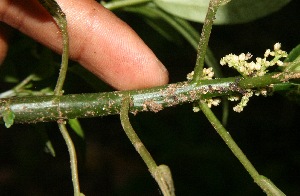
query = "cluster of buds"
{"x": 209, "y": 102}
{"x": 258, "y": 68}
{"x": 190, "y": 76}
{"x": 253, "y": 69}
{"x": 212, "y": 102}
{"x": 246, "y": 69}
{"x": 207, "y": 74}
{"x": 244, "y": 100}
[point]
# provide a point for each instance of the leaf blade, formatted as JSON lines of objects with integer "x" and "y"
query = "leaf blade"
{"x": 235, "y": 12}
{"x": 76, "y": 127}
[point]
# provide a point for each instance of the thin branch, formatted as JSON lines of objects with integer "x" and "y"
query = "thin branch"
{"x": 62, "y": 23}
{"x": 204, "y": 38}
{"x": 132, "y": 136}
{"x": 60, "y": 18}
{"x": 73, "y": 158}
{"x": 17, "y": 88}
{"x": 161, "y": 173}
{"x": 262, "y": 181}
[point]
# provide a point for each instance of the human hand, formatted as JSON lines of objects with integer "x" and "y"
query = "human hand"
{"x": 99, "y": 41}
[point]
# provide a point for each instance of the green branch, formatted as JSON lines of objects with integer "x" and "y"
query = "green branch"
{"x": 32, "y": 109}
{"x": 60, "y": 18}
{"x": 204, "y": 38}
{"x": 161, "y": 173}
{"x": 73, "y": 157}
{"x": 264, "y": 183}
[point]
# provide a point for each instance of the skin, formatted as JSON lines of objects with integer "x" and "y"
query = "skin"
{"x": 99, "y": 41}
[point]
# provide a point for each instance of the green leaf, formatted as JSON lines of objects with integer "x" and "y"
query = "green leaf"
{"x": 153, "y": 17}
{"x": 236, "y": 11}
{"x": 44, "y": 138}
{"x": 293, "y": 60}
{"x": 295, "y": 53}
{"x": 75, "y": 125}
{"x": 49, "y": 148}
{"x": 8, "y": 118}
{"x": 10, "y": 79}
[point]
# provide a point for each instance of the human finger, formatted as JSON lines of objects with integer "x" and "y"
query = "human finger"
{"x": 99, "y": 41}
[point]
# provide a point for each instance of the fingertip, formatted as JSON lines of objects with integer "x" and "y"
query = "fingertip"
{"x": 115, "y": 53}
{"x": 157, "y": 75}
{"x": 151, "y": 75}
{"x": 163, "y": 74}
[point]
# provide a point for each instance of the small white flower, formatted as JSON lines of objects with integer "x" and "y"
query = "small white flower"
{"x": 242, "y": 57}
{"x": 251, "y": 65}
{"x": 272, "y": 53}
{"x": 242, "y": 69}
{"x": 277, "y": 46}
{"x": 196, "y": 109}
{"x": 211, "y": 75}
{"x": 238, "y": 108}
{"x": 257, "y": 66}
{"x": 207, "y": 73}
{"x": 216, "y": 102}
{"x": 190, "y": 76}
{"x": 263, "y": 92}
{"x": 222, "y": 61}
{"x": 279, "y": 63}
{"x": 235, "y": 58}
{"x": 267, "y": 63}
{"x": 267, "y": 53}
{"x": 258, "y": 60}
{"x": 248, "y": 56}
{"x": 233, "y": 98}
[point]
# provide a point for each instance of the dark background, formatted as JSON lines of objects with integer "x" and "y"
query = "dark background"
{"x": 267, "y": 130}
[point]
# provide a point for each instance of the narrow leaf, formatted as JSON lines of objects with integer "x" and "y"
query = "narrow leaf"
{"x": 44, "y": 138}
{"x": 75, "y": 125}
{"x": 236, "y": 11}
{"x": 295, "y": 53}
{"x": 49, "y": 148}
{"x": 292, "y": 60}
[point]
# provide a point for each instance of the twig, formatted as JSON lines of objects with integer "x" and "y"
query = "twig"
{"x": 204, "y": 38}
{"x": 60, "y": 18}
{"x": 73, "y": 158}
{"x": 162, "y": 173}
{"x": 16, "y": 89}
{"x": 262, "y": 181}
{"x": 61, "y": 21}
